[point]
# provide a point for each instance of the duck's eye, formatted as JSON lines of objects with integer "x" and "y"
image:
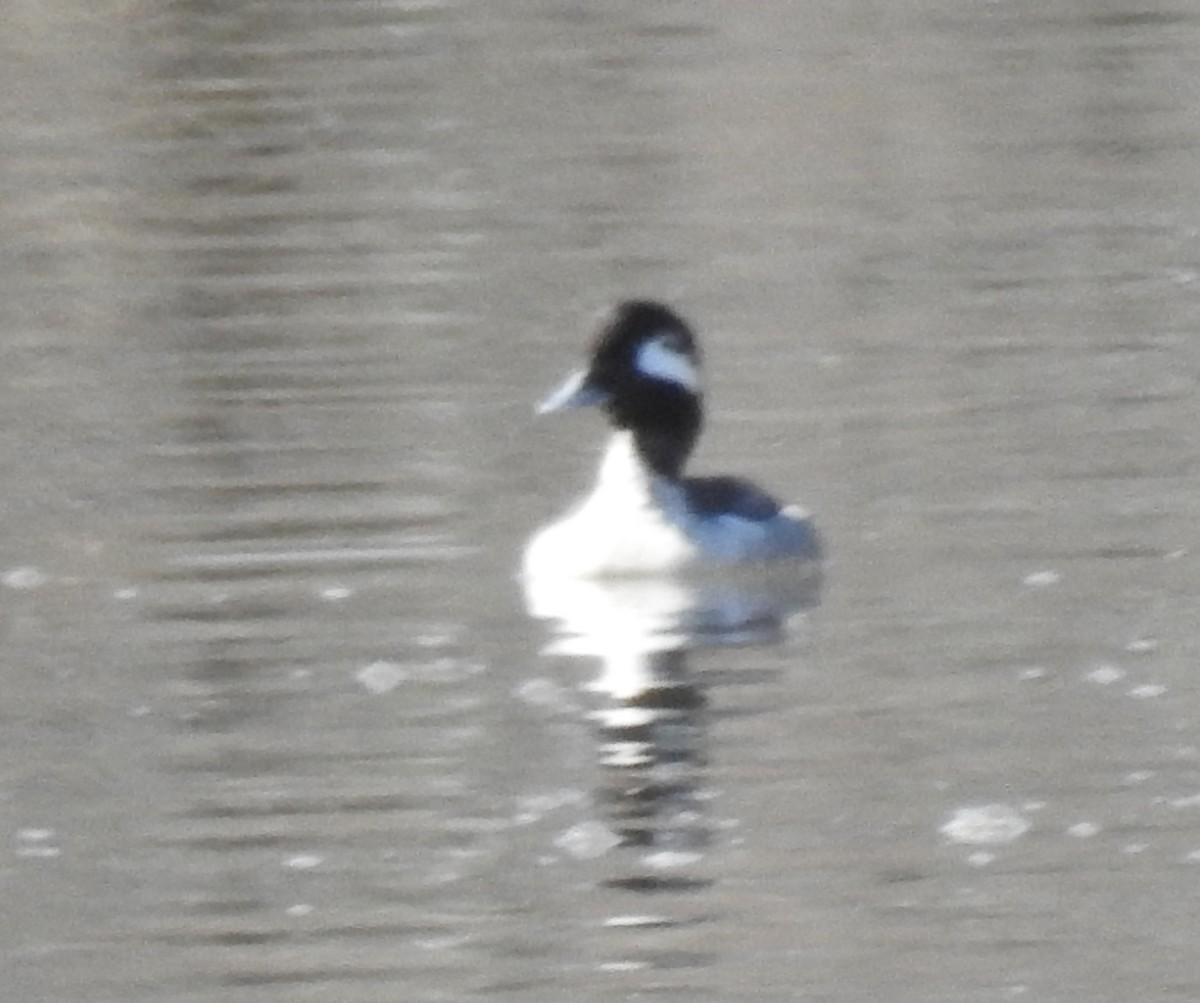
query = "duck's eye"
{"x": 663, "y": 357}
{"x": 671, "y": 340}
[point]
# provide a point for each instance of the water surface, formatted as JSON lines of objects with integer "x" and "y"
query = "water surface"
{"x": 281, "y": 282}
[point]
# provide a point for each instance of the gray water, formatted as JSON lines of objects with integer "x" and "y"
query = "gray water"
{"x": 280, "y": 283}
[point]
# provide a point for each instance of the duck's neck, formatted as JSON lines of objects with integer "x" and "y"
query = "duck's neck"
{"x": 625, "y": 478}
{"x": 662, "y": 426}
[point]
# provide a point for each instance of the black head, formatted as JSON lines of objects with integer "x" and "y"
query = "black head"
{"x": 645, "y": 373}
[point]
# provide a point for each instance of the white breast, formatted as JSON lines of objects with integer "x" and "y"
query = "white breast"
{"x": 631, "y": 523}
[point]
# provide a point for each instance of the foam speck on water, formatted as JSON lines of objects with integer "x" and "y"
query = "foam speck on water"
{"x": 587, "y": 840}
{"x": 36, "y": 842}
{"x": 23, "y": 578}
{"x": 1105, "y": 675}
{"x": 1083, "y": 830}
{"x": 381, "y": 677}
{"x": 1041, "y": 579}
{"x": 985, "y": 825}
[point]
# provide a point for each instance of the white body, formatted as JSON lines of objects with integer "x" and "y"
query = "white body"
{"x": 636, "y": 522}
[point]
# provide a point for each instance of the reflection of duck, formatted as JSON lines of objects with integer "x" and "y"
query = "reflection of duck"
{"x": 649, "y": 708}
{"x": 652, "y": 735}
{"x": 643, "y": 516}
{"x": 610, "y": 618}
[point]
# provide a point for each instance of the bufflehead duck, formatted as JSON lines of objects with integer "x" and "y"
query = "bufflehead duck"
{"x": 643, "y": 516}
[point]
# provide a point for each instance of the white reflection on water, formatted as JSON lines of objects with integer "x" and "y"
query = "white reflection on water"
{"x": 649, "y": 707}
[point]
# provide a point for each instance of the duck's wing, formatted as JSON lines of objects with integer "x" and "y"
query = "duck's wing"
{"x": 729, "y": 496}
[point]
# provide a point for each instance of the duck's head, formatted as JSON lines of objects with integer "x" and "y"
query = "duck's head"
{"x": 644, "y": 371}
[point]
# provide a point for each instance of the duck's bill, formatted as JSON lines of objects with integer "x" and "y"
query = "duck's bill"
{"x": 575, "y": 392}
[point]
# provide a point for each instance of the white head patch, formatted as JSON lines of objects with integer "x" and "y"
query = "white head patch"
{"x": 658, "y": 360}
